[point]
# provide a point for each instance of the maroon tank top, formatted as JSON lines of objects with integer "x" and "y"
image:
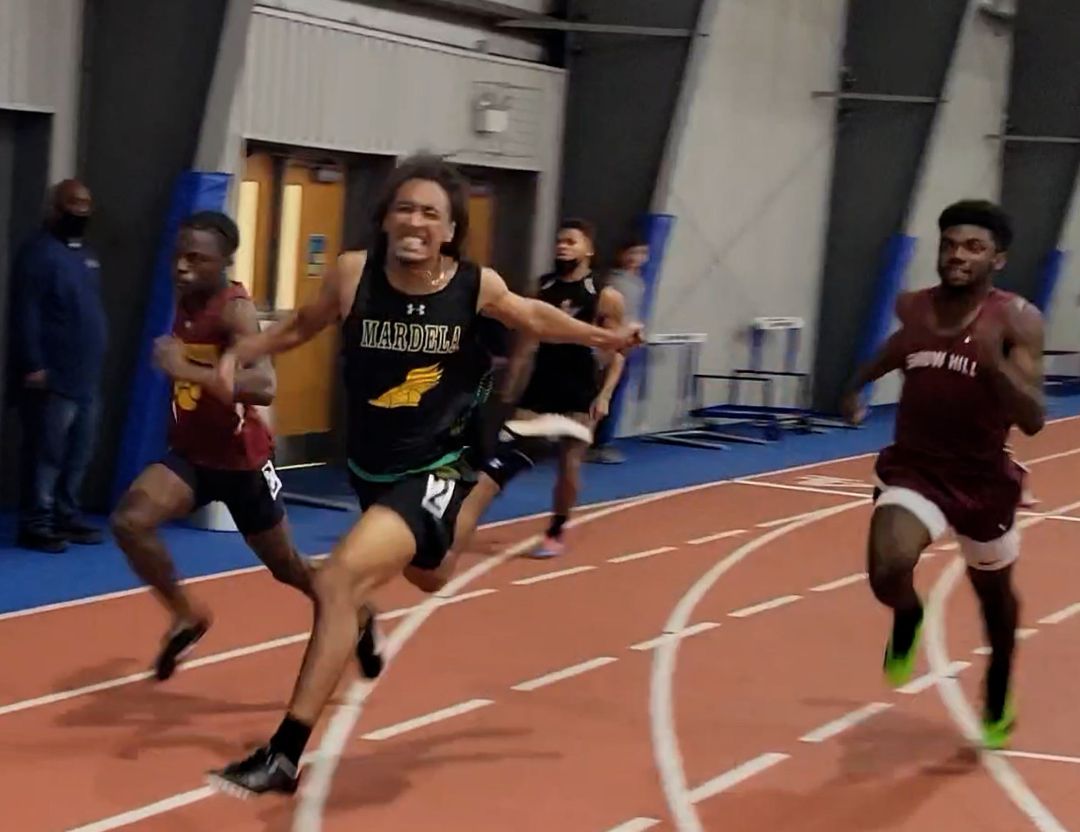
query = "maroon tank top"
{"x": 203, "y": 429}
{"x": 949, "y": 412}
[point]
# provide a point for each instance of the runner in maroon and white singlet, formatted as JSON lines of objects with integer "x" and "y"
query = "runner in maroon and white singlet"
{"x": 971, "y": 356}
{"x": 220, "y": 449}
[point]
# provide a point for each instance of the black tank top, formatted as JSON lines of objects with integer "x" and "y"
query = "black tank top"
{"x": 560, "y": 365}
{"x": 414, "y": 369}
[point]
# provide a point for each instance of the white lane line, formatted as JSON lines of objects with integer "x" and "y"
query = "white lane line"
{"x": 648, "y": 553}
{"x": 1058, "y": 455}
{"x": 1034, "y": 755}
{"x": 248, "y": 570}
{"x": 550, "y": 576}
{"x": 849, "y": 720}
{"x": 704, "y": 626}
{"x": 749, "y": 480}
{"x": 204, "y": 661}
{"x": 324, "y": 760}
{"x": 124, "y": 593}
{"x": 733, "y": 777}
{"x": 313, "y": 796}
{"x": 308, "y": 815}
{"x": 961, "y": 711}
{"x": 839, "y": 582}
{"x": 809, "y": 489}
{"x": 665, "y": 741}
{"x": 780, "y": 521}
{"x": 605, "y": 504}
{"x": 440, "y": 715}
{"x": 466, "y": 596}
{"x": 764, "y": 606}
{"x": 1061, "y": 615}
{"x": 1022, "y": 634}
{"x": 928, "y": 680}
{"x": 710, "y": 538}
{"x": 636, "y": 825}
{"x": 565, "y": 673}
{"x": 1066, "y": 517}
{"x": 150, "y": 810}
{"x": 121, "y": 681}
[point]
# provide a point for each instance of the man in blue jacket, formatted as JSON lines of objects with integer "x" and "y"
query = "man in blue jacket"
{"x": 59, "y": 335}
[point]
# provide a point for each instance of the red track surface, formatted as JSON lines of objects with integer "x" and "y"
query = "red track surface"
{"x": 577, "y": 754}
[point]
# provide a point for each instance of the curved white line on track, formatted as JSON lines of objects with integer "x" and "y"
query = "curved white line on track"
{"x": 961, "y": 711}
{"x": 665, "y": 741}
{"x": 318, "y": 780}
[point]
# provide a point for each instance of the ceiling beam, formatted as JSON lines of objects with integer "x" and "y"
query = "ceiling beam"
{"x": 491, "y": 10}
{"x": 552, "y": 25}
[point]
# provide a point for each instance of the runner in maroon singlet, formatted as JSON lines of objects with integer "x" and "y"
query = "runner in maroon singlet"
{"x": 220, "y": 449}
{"x": 972, "y": 362}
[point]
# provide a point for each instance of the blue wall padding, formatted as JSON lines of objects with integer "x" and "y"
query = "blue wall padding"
{"x": 656, "y": 229}
{"x": 898, "y": 254}
{"x": 143, "y": 440}
{"x": 1049, "y": 275}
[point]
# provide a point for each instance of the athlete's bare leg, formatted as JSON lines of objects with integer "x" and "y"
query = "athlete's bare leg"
{"x": 157, "y": 496}
{"x": 375, "y": 550}
{"x": 568, "y": 480}
{"x": 897, "y": 539}
{"x": 1001, "y": 613}
{"x": 472, "y": 510}
{"x": 274, "y": 547}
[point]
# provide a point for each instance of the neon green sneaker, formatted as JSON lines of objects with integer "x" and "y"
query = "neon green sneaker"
{"x": 898, "y": 667}
{"x": 997, "y": 733}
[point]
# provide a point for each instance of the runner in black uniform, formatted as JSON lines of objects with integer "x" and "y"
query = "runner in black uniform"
{"x": 415, "y": 369}
{"x": 568, "y": 379}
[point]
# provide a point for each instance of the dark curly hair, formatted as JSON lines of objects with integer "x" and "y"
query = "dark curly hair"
{"x": 221, "y": 224}
{"x": 430, "y": 168}
{"x": 982, "y": 214}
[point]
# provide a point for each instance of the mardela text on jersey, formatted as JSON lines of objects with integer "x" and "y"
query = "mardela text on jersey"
{"x": 402, "y": 337}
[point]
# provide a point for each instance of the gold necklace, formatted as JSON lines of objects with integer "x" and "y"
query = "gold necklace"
{"x": 435, "y": 281}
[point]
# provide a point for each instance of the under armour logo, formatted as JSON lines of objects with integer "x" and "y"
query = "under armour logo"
{"x": 417, "y": 308}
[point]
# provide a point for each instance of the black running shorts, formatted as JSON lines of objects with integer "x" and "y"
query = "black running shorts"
{"x": 253, "y": 497}
{"x": 429, "y": 504}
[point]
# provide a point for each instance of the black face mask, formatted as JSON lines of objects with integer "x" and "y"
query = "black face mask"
{"x": 71, "y": 226}
{"x": 565, "y": 267}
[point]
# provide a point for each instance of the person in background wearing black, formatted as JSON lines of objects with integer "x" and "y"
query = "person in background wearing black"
{"x": 59, "y": 333}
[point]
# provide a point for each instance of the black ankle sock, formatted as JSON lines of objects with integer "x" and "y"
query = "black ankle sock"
{"x": 291, "y": 737}
{"x": 904, "y": 624}
{"x": 557, "y": 523}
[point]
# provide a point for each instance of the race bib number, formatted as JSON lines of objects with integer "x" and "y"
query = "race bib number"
{"x": 273, "y": 481}
{"x": 437, "y": 496}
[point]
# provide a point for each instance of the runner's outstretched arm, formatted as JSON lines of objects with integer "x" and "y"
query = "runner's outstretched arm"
{"x": 544, "y": 322}
{"x": 888, "y": 358}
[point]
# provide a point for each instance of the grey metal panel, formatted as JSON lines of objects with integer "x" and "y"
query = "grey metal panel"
{"x": 318, "y": 83}
{"x": 1044, "y": 100}
{"x": 432, "y": 23}
{"x": 39, "y": 64}
{"x": 621, "y": 102}
{"x": 321, "y": 84}
{"x": 892, "y": 47}
{"x": 144, "y": 97}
